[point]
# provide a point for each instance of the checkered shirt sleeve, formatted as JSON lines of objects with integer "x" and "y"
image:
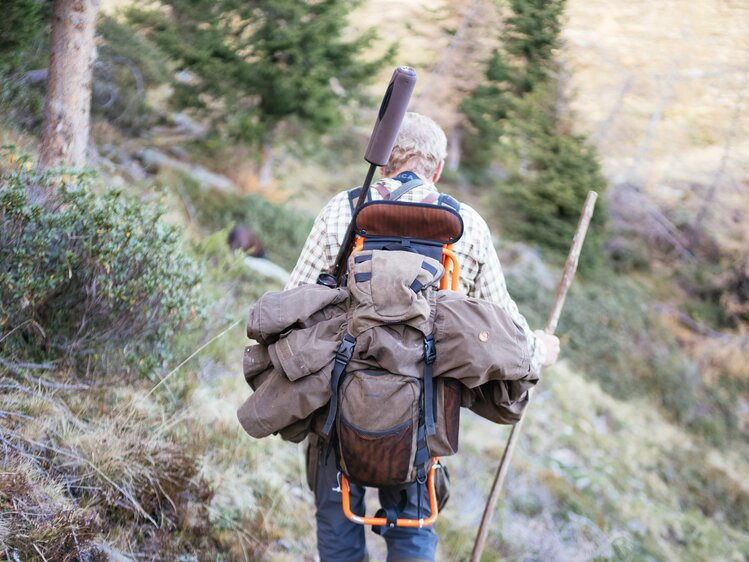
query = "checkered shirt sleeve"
{"x": 480, "y": 271}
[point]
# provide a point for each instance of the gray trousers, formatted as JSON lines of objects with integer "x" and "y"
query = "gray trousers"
{"x": 340, "y": 540}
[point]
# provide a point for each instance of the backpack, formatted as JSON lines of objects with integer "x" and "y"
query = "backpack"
{"x": 388, "y": 420}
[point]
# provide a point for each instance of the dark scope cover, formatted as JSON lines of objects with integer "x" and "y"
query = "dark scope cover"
{"x": 390, "y": 116}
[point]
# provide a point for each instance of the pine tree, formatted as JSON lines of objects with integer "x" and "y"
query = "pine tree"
{"x": 544, "y": 195}
{"x": 514, "y": 119}
{"x": 67, "y": 108}
{"x": 21, "y": 24}
{"x": 251, "y": 66}
{"x": 487, "y": 110}
{"x": 530, "y": 39}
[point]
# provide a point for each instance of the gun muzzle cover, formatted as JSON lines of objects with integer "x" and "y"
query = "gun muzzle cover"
{"x": 390, "y": 116}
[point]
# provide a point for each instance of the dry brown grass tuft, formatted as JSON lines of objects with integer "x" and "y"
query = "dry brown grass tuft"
{"x": 126, "y": 465}
{"x": 724, "y": 357}
{"x": 38, "y": 522}
{"x": 85, "y": 474}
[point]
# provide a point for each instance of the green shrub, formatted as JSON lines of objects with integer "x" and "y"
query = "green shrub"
{"x": 92, "y": 280}
{"x": 22, "y": 24}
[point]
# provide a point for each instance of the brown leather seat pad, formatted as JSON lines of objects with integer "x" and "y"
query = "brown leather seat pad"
{"x": 409, "y": 220}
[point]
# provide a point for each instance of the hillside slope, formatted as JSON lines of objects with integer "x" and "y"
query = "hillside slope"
{"x": 116, "y": 468}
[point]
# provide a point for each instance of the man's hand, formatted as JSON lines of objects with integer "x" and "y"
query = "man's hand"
{"x": 552, "y": 347}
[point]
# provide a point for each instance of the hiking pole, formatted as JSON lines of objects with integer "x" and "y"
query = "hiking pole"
{"x": 564, "y": 284}
{"x": 387, "y": 125}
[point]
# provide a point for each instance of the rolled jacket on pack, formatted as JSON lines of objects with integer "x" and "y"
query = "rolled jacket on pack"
{"x": 390, "y": 305}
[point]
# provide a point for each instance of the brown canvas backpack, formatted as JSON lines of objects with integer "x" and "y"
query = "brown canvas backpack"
{"x": 388, "y": 418}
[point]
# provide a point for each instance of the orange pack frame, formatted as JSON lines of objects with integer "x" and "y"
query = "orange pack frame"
{"x": 426, "y": 223}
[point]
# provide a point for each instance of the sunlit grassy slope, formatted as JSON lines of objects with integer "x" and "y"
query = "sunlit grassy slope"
{"x": 593, "y": 478}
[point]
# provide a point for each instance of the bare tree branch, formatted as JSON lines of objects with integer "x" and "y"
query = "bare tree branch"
{"x": 655, "y": 120}
{"x": 603, "y": 129}
{"x": 733, "y": 132}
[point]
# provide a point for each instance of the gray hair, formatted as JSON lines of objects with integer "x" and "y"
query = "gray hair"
{"x": 420, "y": 146}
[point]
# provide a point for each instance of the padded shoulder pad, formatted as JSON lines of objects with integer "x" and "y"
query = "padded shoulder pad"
{"x": 445, "y": 199}
{"x": 353, "y": 196}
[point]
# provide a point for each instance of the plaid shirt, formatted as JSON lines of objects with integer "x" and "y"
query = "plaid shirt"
{"x": 480, "y": 271}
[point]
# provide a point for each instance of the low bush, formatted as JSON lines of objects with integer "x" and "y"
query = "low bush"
{"x": 96, "y": 281}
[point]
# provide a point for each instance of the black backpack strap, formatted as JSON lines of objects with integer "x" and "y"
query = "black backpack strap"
{"x": 430, "y": 355}
{"x": 420, "y": 462}
{"x": 391, "y": 515}
{"x": 445, "y": 199}
{"x": 342, "y": 358}
{"x": 353, "y": 197}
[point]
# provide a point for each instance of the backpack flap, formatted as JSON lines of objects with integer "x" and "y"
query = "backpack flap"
{"x": 387, "y": 287}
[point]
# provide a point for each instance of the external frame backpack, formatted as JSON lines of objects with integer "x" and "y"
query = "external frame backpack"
{"x": 388, "y": 419}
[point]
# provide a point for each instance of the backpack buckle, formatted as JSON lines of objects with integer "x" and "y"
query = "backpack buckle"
{"x": 430, "y": 350}
{"x": 345, "y": 350}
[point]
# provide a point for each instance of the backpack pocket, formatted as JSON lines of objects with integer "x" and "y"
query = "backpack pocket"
{"x": 377, "y": 427}
{"x": 447, "y": 398}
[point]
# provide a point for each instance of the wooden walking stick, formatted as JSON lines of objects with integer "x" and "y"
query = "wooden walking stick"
{"x": 569, "y": 273}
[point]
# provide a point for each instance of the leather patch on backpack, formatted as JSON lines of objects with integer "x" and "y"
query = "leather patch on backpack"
{"x": 377, "y": 459}
{"x": 447, "y": 417}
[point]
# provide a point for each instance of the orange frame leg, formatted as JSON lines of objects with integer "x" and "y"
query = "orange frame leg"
{"x": 400, "y": 522}
{"x": 449, "y": 280}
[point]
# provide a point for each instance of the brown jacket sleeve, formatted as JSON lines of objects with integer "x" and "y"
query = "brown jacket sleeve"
{"x": 278, "y": 402}
{"x": 277, "y": 312}
{"x": 498, "y": 401}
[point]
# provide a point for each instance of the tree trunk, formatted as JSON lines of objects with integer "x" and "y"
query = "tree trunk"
{"x": 67, "y": 109}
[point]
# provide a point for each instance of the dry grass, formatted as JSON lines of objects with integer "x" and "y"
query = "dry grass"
{"x": 38, "y": 520}
{"x": 596, "y": 478}
{"x": 103, "y": 470}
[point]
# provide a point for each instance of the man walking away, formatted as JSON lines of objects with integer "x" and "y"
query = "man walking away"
{"x": 419, "y": 154}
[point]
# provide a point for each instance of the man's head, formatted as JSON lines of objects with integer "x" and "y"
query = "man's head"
{"x": 420, "y": 147}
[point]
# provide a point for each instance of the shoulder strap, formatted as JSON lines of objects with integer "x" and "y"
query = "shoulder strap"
{"x": 405, "y": 188}
{"x": 439, "y": 199}
{"x": 445, "y": 199}
{"x": 353, "y": 194}
{"x": 353, "y": 197}
{"x": 431, "y": 198}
